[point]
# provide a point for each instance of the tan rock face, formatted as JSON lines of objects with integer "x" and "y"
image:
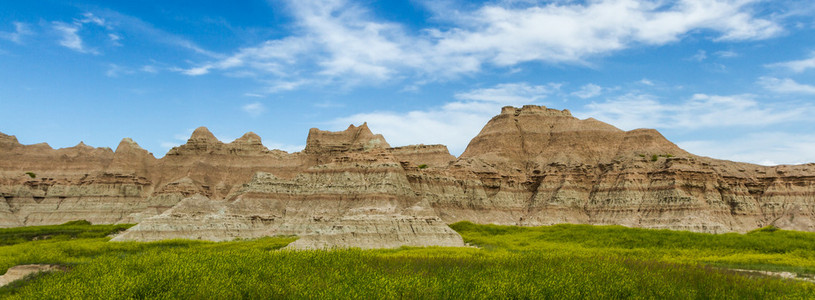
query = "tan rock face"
{"x": 528, "y": 166}
{"x": 354, "y": 138}
{"x": 536, "y": 166}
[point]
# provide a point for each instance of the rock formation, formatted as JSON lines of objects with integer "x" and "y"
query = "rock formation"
{"x": 528, "y": 166}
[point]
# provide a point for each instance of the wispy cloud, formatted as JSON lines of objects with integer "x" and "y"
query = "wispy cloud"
{"x": 89, "y": 17}
{"x": 20, "y": 30}
{"x": 631, "y": 111}
{"x": 328, "y": 104}
{"x": 340, "y": 41}
{"x": 70, "y": 39}
{"x": 572, "y": 31}
{"x": 115, "y": 70}
{"x": 797, "y": 66}
{"x": 510, "y": 93}
{"x": 646, "y": 81}
{"x": 114, "y": 39}
{"x": 785, "y": 86}
{"x": 138, "y": 27}
{"x": 69, "y": 32}
{"x": 149, "y": 69}
{"x": 588, "y": 91}
{"x": 700, "y": 56}
{"x": 765, "y": 148}
{"x": 726, "y": 54}
{"x": 254, "y": 109}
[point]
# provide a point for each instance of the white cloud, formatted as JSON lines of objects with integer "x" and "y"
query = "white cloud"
{"x": 115, "y": 70}
{"x": 137, "y": 27}
{"x": 254, "y": 109}
{"x": 765, "y": 148}
{"x": 632, "y": 111}
{"x": 628, "y": 112}
{"x": 169, "y": 145}
{"x": 588, "y": 91}
{"x": 115, "y": 38}
{"x": 275, "y": 86}
{"x": 194, "y": 71}
{"x": 510, "y": 93}
{"x": 570, "y": 32}
{"x": 785, "y": 86}
{"x": 699, "y": 56}
{"x": 337, "y": 40}
{"x": 452, "y": 124}
{"x": 20, "y": 30}
{"x": 328, "y": 104}
{"x": 90, "y": 18}
{"x": 646, "y": 81}
{"x": 796, "y": 66}
{"x": 149, "y": 69}
{"x": 69, "y": 33}
{"x": 726, "y": 54}
{"x": 69, "y": 37}
{"x": 354, "y": 44}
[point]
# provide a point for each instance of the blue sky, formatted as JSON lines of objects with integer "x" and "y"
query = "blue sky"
{"x": 730, "y": 79}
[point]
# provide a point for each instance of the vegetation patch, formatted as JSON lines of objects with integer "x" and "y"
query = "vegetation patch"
{"x": 550, "y": 262}
{"x": 67, "y": 231}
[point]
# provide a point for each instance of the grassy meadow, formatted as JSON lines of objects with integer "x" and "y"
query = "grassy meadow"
{"x": 549, "y": 262}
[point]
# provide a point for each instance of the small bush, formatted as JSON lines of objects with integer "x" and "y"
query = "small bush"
{"x": 654, "y": 157}
{"x": 769, "y": 228}
{"x": 31, "y": 174}
{"x": 78, "y": 222}
{"x": 423, "y": 166}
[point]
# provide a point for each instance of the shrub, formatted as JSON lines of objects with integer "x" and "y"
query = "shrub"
{"x": 423, "y": 166}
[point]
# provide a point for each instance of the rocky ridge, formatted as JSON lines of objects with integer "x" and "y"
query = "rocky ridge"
{"x": 528, "y": 166}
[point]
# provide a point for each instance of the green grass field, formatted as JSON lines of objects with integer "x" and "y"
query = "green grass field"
{"x": 550, "y": 262}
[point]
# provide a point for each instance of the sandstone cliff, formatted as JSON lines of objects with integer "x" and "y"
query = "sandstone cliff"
{"x": 528, "y": 166}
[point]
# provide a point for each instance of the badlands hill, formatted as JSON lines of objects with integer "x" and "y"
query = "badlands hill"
{"x": 528, "y": 166}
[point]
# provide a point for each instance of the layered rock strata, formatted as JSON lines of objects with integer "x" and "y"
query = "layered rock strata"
{"x": 539, "y": 166}
{"x": 528, "y": 166}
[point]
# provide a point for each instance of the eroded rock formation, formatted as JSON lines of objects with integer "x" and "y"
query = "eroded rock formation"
{"x": 528, "y": 166}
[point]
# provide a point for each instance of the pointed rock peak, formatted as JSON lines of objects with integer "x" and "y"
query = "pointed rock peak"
{"x": 248, "y": 144}
{"x": 82, "y": 145}
{"x": 127, "y": 144}
{"x": 248, "y": 138}
{"x": 360, "y": 128}
{"x": 202, "y": 133}
{"x": 129, "y": 141}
